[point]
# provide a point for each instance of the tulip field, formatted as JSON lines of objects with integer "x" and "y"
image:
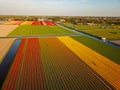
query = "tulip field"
{"x": 97, "y": 62}
{"x": 32, "y": 23}
{"x": 31, "y": 28}
{"x": 57, "y": 62}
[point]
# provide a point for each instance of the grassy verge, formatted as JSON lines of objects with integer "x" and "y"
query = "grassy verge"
{"x": 108, "y": 31}
{"x": 106, "y": 50}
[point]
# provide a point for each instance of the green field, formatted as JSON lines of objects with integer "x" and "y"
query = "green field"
{"x": 25, "y": 30}
{"x": 111, "y": 32}
{"x": 104, "y": 49}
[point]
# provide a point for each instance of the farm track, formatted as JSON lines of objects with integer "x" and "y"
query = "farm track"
{"x": 42, "y": 36}
{"x": 97, "y": 62}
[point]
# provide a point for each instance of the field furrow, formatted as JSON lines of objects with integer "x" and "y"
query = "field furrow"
{"x": 26, "y": 71}
{"x": 64, "y": 70}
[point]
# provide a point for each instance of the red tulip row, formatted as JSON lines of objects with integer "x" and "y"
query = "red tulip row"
{"x": 32, "y": 75}
{"x": 13, "y": 75}
{"x": 26, "y": 72}
{"x": 50, "y": 24}
{"x": 43, "y": 23}
{"x": 33, "y": 23}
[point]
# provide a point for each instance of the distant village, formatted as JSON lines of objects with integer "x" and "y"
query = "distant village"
{"x": 76, "y": 20}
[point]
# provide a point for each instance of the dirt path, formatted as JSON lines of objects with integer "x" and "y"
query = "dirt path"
{"x": 116, "y": 42}
{"x": 6, "y": 43}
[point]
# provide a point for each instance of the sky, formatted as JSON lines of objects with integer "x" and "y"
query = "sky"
{"x": 60, "y": 7}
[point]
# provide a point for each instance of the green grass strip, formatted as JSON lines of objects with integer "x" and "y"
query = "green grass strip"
{"x": 104, "y": 49}
{"x": 26, "y": 30}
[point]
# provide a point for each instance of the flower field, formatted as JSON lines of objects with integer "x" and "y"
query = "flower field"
{"x": 40, "y": 67}
{"x": 43, "y": 56}
{"x": 97, "y": 62}
{"x": 27, "y": 23}
{"x": 100, "y": 47}
{"x": 32, "y": 28}
{"x": 33, "y": 23}
{"x": 44, "y": 68}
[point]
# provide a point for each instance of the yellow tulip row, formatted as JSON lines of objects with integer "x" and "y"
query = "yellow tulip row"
{"x": 27, "y": 23}
{"x": 109, "y": 70}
